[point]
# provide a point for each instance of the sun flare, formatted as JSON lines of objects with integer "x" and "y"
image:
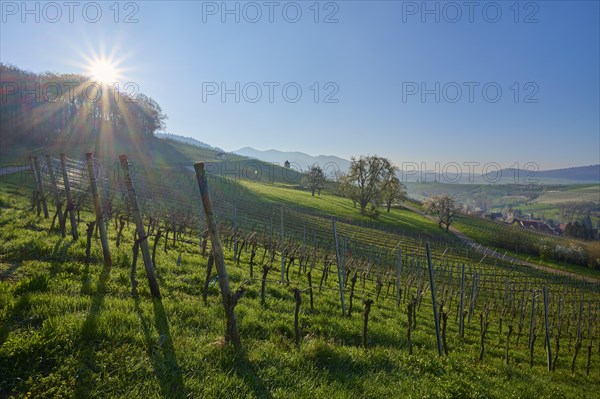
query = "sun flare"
{"x": 104, "y": 71}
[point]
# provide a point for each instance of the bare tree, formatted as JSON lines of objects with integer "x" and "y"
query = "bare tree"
{"x": 444, "y": 207}
{"x": 347, "y": 189}
{"x": 367, "y": 177}
{"x": 315, "y": 179}
{"x": 392, "y": 191}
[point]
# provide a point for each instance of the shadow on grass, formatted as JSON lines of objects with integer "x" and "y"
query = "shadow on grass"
{"x": 162, "y": 353}
{"x": 34, "y": 249}
{"x": 86, "y": 366}
{"x": 5, "y": 274}
{"x": 343, "y": 367}
{"x": 238, "y": 363}
{"x": 85, "y": 281}
{"x": 60, "y": 249}
{"x": 15, "y": 317}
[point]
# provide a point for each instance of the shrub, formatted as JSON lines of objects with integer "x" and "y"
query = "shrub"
{"x": 593, "y": 255}
{"x": 546, "y": 248}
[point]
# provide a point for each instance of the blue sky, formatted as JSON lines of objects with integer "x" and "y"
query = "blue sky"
{"x": 375, "y": 58}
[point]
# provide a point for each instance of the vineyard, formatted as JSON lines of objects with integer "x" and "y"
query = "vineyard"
{"x": 320, "y": 305}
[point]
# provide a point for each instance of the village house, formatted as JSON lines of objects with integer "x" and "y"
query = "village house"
{"x": 537, "y": 225}
{"x": 494, "y": 216}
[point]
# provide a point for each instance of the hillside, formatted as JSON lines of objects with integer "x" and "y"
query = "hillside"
{"x": 187, "y": 140}
{"x": 299, "y": 160}
{"x": 575, "y": 175}
{"x": 581, "y": 174}
{"x": 73, "y": 329}
{"x": 153, "y": 153}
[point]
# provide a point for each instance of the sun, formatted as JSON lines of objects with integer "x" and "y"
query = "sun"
{"x": 104, "y": 71}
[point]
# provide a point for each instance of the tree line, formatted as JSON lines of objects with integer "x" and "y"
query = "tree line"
{"x": 41, "y": 108}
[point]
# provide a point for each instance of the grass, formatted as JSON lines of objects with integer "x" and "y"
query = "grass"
{"x": 68, "y": 329}
{"x": 334, "y": 205}
{"x": 575, "y": 193}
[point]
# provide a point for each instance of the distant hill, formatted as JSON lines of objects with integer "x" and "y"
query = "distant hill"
{"x": 581, "y": 173}
{"x": 578, "y": 174}
{"x": 187, "y": 140}
{"x": 298, "y": 160}
{"x": 574, "y": 175}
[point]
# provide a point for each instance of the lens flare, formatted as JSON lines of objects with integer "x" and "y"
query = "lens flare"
{"x": 104, "y": 70}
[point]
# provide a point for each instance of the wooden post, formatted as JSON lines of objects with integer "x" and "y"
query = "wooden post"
{"x": 70, "y": 203}
{"x": 296, "y": 311}
{"x": 473, "y": 296}
{"x": 202, "y": 244}
{"x": 235, "y": 241}
{"x": 310, "y": 289}
{"x": 98, "y": 207}
{"x": 141, "y": 230}
{"x": 303, "y": 256}
{"x": 38, "y": 178}
{"x": 282, "y": 249}
{"x": 353, "y": 283}
{"x": 264, "y": 283}
{"x": 231, "y": 333}
{"x": 59, "y": 213}
{"x": 461, "y": 326}
{"x": 35, "y": 199}
{"x": 578, "y": 341}
{"x": 410, "y": 312}
{"x": 368, "y": 303}
{"x": 557, "y": 335}
{"x": 105, "y": 201}
{"x": 506, "y": 351}
{"x": 484, "y": 327}
{"x": 339, "y": 268}
{"x": 344, "y": 252}
{"x": 211, "y": 261}
{"x": 88, "y": 245}
{"x": 398, "y": 272}
{"x": 436, "y": 316}
{"x": 547, "y": 327}
{"x": 532, "y": 320}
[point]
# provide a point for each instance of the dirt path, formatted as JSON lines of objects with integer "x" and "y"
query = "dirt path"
{"x": 493, "y": 254}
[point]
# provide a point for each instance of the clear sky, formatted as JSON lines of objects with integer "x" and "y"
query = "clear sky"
{"x": 430, "y": 82}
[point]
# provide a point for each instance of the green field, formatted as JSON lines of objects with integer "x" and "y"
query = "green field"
{"x": 583, "y": 193}
{"x": 342, "y": 208}
{"x": 71, "y": 329}
{"x": 540, "y": 200}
